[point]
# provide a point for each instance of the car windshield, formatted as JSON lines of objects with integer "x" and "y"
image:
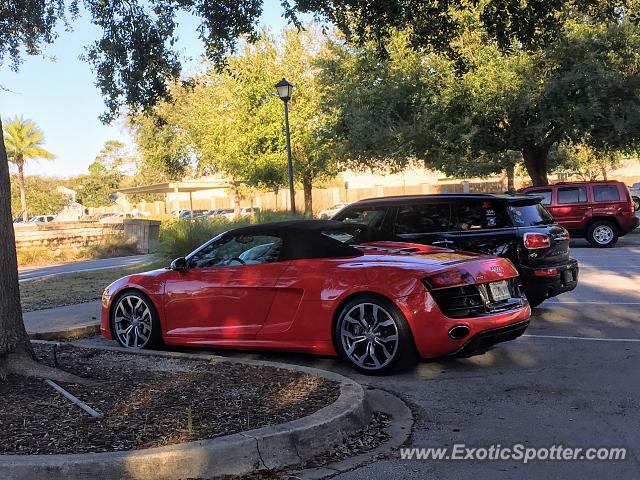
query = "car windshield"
{"x": 529, "y": 215}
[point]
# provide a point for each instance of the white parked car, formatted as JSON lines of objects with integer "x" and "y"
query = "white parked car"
{"x": 330, "y": 212}
{"x": 244, "y": 212}
{"x": 635, "y": 195}
{"x": 42, "y": 219}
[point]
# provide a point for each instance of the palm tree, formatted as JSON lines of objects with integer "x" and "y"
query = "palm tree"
{"x": 23, "y": 140}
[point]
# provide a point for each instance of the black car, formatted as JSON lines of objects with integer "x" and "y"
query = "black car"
{"x": 516, "y": 227}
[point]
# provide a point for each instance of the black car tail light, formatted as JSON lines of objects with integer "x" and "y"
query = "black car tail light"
{"x": 533, "y": 241}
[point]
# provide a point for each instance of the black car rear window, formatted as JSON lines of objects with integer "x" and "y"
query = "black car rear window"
{"x": 482, "y": 215}
{"x": 529, "y": 215}
{"x": 370, "y": 216}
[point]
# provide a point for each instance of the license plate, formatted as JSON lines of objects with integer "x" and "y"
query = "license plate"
{"x": 499, "y": 291}
{"x": 568, "y": 276}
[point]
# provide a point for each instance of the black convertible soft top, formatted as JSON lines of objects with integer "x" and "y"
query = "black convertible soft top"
{"x": 313, "y": 238}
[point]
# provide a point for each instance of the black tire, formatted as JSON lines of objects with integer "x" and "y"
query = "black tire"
{"x": 403, "y": 352}
{"x": 602, "y": 234}
{"x": 154, "y": 338}
{"x": 636, "y": 203}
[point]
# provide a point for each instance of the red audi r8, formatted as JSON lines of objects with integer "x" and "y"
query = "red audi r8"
{"x": 320, "y": 287}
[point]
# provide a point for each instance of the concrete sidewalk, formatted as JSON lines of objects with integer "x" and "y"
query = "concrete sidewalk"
{"x": 32, "y": 273}
{"x": 64, "y": 323}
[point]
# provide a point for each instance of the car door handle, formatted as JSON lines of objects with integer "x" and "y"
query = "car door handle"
{"x": 442, "y": 242}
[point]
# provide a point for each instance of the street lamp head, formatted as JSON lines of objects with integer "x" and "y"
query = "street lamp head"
{"x": 284, "y": 89}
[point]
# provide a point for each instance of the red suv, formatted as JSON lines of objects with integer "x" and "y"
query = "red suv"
{"x": 599, "y": 211}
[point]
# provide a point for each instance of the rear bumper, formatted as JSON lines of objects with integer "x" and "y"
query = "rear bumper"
{"x": 564, "y": 280}
{"x": 430, "y": 327}
{"x": 630, "y": 225}
{"x": 491, "y": 337}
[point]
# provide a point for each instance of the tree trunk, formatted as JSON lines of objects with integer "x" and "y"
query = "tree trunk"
{"x": 535, "y": 160}
{"x": 307, "y": 186}
{"x": 23, "y": 192}
{"x": 236, "y": 200}
{"x": 16, "y": 353}
{"x": 13, "y": 336}
{"x": 511, "y": 181}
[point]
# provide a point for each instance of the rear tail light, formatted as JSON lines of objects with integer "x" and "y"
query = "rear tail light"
{"x": 545, "y": 272}
{"x": 449, "y": 278}
{"x": 534, "y": 241}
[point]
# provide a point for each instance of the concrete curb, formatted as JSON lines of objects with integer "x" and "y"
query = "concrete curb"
{"x": 273, "y": 447}
{"x": 399, "y": 432}
{"x": 73, "y": 333}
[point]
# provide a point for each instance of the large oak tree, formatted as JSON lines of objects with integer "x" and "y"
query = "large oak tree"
{"x": 583, "y": 88}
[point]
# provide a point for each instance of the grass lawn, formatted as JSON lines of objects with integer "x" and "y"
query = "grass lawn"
{"x": 78, "y": 287}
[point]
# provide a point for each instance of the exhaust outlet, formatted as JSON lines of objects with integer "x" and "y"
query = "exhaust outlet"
{"x": 459, "y": 332}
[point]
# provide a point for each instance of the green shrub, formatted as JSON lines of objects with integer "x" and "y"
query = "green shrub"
{"x": 46, "y": 255}
{"x": 180, "y": 237}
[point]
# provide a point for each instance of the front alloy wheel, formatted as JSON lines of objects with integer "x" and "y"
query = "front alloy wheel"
{"x": 134, "y": 321}
{"x": 373, "y": 336}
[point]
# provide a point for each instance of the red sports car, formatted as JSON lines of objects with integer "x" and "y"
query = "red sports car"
{"x": 320, "y": 287}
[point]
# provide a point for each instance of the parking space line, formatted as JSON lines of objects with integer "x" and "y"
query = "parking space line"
{"x": 562, "y": 337}
{"x": 568, "y": 302}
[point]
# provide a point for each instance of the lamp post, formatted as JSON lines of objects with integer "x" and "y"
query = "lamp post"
{"x": 284, "y": 89}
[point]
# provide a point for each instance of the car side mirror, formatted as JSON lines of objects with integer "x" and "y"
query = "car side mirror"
{"x": 180, "y": 264}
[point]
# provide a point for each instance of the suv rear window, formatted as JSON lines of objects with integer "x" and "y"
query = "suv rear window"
{"x": 529, "y": 215}
{"x": 572, "y": 195}
{"x": 545, "y": 194}
{"x": 606, "y": 193}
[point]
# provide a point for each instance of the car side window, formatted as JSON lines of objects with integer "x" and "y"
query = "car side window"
{"x": 484, "y": 215}
{"x": 423, "y": 218}
{"x": 545, "y": 194}
{"x": 238, "y": 250}
{"x": 370, "y": 216}
{"x": 606, "y": 193}
{"x": 572, "y": 195}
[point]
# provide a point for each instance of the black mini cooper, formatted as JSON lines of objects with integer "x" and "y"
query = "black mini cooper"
{"x": 515, "y": 227}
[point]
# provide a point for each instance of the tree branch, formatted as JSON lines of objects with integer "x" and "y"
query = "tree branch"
{"x": 552, "y": 137}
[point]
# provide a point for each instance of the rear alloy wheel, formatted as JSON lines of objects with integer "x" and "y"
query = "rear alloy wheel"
{"x": 373, "y": 335}
{"x": 135, "y": 321}
{"x": 636, "y": 204}
{"x": 602, "y": 234}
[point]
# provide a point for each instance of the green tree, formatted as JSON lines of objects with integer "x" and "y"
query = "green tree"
{"x": 233, "y": 122}
{"x": 113, "y": 157}
{"x": 585, "y": 162}
{"x": 436, "y": 25}
{"x": 104, "y": 177}
{"x": 42, "y": 195}
{"x": 24, "y": 141}
{"x": 584, "y": 89}
{"x": 163, "y": 149}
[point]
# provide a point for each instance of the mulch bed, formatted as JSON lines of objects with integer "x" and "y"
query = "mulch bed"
{"x": 150, "y": 402}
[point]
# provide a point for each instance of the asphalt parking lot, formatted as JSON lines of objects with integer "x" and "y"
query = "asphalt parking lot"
{"x": 572, "y": 380}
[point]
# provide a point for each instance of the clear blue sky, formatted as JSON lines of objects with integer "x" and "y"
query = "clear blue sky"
{"x": 59, "y": 94}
